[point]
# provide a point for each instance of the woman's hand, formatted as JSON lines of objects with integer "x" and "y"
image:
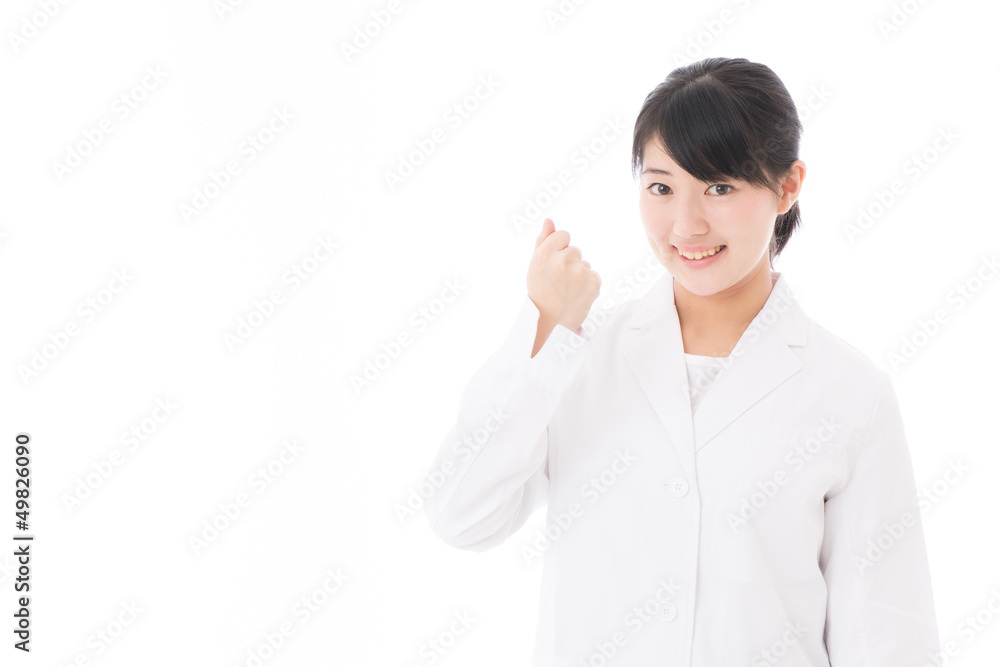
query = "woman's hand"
{"x": 560, "y": 283}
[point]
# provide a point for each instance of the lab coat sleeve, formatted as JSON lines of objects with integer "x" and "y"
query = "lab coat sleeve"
{"x": 494, "y": 459}
{"x": 880, "y": 605}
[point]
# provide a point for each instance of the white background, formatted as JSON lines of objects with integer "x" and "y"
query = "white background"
{"x": 870, "y": 101}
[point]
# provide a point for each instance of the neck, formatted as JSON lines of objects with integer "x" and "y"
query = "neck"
{"x": 730, "y": 310}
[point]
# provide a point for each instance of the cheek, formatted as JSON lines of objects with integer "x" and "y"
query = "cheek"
{"x": 644, "y": 209}
{"x": 749, "y": 223}
{"x": 653, "y": 221}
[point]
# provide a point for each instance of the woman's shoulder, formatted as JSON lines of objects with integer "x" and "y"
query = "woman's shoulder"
{"x": 608, "y": 317}
{"x": 830, "y": 348}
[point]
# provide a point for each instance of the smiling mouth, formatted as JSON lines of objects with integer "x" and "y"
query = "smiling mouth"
{"x": 700, "y": 253}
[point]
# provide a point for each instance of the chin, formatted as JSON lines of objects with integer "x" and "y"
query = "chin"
{"x": 703, "y": 282}
{"x": 704, "y": 287}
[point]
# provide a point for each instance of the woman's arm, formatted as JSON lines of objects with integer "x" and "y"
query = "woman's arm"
{"x": 880, "y": 605}
{"x": 494, "y": 458}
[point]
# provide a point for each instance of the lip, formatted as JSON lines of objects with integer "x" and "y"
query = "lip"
{"x": 704, "y": 261}
{"x": 697, "y": 248}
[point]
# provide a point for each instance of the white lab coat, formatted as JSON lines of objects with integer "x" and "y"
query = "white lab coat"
{"x": 778, "y": 525}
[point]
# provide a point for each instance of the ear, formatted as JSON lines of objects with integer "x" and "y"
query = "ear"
{"x": 791, "y": 186}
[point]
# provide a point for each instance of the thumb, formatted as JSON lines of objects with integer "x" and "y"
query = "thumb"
{"x": 547, "y": 228}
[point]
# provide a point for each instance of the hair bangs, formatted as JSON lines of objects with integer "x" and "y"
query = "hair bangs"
{"x": 704, "y": 130}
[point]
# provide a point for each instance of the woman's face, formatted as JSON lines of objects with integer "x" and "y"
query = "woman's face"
{"x": 681, "y": 213}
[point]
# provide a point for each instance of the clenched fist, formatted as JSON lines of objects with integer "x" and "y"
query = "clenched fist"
{"x": 561, "y": 283}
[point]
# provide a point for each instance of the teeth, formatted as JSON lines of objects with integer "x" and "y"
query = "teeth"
{"x": 700, "y": 253}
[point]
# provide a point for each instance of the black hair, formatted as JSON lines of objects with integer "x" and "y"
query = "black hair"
{"x": 724, "y": 118}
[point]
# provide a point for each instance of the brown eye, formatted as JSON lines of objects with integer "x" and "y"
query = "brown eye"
{"x": 722, "y": 185}
{"x": 655, "y": 188}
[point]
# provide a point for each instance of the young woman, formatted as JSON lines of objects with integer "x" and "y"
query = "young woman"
{"x": 727, "y": 482}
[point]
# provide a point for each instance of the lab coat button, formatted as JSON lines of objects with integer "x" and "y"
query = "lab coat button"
{"x": 678, "y": 487}
{"x": 668, "y": 611}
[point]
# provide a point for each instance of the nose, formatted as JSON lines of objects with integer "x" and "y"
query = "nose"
{"x": 689, "y": 216}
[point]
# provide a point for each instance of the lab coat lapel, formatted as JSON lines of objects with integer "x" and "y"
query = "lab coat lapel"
{"x": 762, "y": 360}
{"x": 654, "y": 350}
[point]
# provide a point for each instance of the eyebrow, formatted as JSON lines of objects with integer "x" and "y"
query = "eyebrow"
{"x": 653, "y": 170}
